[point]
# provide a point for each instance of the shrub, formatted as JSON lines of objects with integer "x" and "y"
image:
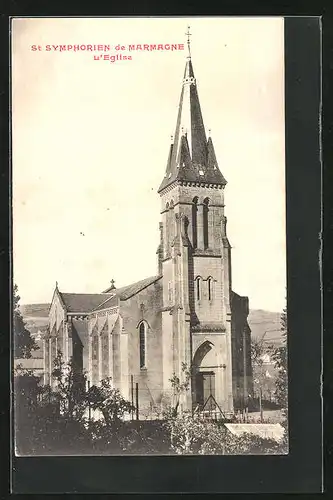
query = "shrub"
{"x": 190, "y": 435}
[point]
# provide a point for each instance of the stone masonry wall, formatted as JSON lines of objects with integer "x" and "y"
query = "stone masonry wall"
{"x": 145, "y": 306}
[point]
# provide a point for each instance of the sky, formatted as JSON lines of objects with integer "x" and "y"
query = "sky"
{"x": 90, "y": 141}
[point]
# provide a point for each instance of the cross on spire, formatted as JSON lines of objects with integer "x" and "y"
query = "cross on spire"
{"x": 112, "y": 284}
{"x": 188, "y": 34}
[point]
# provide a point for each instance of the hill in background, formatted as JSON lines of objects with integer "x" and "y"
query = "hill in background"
{"x": 265, "y": 324}
{"x": 35, "y": 310}
{"x": 36, "y": 319}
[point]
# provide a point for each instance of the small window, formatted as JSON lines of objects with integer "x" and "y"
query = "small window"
{"x": 167, "y": 231}
{"x": 210, "y": 288}
{"x": 198, "y": 288}
{"x": 195, "y": 222}
{"x": 142, "y": 331}
{"x": 171, "y": 228}
{"x": 205, "y": 222}
{"x": 170, "y": 294}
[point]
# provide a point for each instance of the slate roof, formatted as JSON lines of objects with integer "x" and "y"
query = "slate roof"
{"x": 88, "y": 302}
{"x": 128, "y": 291}
{"x": 109, "y": 302}
{"x": 83, "y": 302}
{"x": 191, "y": 156}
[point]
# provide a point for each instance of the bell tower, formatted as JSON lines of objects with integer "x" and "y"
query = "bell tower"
{"x": 194, "y": 257}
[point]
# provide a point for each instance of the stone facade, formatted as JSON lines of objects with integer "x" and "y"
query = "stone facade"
{"x": 186, "y": 315}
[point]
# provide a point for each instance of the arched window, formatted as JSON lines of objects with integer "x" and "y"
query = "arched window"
{"x": 171, "y": 224}
{"x": 95, "y": 358}
{"x": 142, "y": 333}
{"x": 198, "y": 288}
{"x": 167, "y": 233}
{"x": 195, "y": 222}
{"x": 210, "y": 288}
{"x": 205, "y": 221}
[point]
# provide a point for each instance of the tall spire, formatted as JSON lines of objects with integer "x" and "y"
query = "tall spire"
{"x": 190, "y": 155}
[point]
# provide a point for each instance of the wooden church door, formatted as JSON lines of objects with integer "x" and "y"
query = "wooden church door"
{"x": 205, "y": 387}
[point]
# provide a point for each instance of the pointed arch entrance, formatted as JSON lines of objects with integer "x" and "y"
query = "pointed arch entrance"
{"x": 204, "y": 377}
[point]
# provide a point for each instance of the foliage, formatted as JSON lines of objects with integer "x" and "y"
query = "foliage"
{"x": 54, "y": 420}
{"x": 191, "y": 435}
{"x": 249, "y": 444}
{"x": 26, "y": 391}
{"x": 263, "y": 381}
{"x": 23, "y": 342}
{"x": 280, "y": 358}
{"x": 179, "y": 387}
{"x": 104, "y": 438}
{"x": 184, "y": 436}
{"x": 44, "y": 423}
{"x": 108, "y": 401}
{"x": 259, "y": 349}
{"x": 70, "y": 389}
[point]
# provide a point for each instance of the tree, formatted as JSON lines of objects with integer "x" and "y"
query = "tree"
{"x": 23, "y": 342}
{"x": 179, "y": 387}
{"x": 259, "y": 349}
{"x": 70, "y": 389}
{"x": 32, "y": 425}
{"x": 193, "y": 435}
{"x": 108, "y": 401}
{"x": 111, "y": 433}
{"x": 280, "y": 357}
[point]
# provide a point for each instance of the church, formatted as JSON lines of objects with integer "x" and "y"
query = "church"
{"x": 187, "y": 315}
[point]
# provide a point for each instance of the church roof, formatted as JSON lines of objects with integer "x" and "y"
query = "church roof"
{"x": 109, "y": 302}
{"x": 128, "y": 291}
{"x": 89, "y": 302}
{"x": 191, "y": 156}
{"x": 83, "y": 302}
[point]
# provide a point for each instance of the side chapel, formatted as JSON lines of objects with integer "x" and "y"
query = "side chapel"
{"x": 188, "y": 313}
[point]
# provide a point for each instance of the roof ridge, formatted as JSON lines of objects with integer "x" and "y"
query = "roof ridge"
{"x": 122, "y": 288}
{"x": 83, "y": 302}
{"x": 104, "y": 301}
{"x": 153, "y": 279}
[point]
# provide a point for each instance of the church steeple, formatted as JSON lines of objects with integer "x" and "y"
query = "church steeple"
{"x": 191, "y": 157}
